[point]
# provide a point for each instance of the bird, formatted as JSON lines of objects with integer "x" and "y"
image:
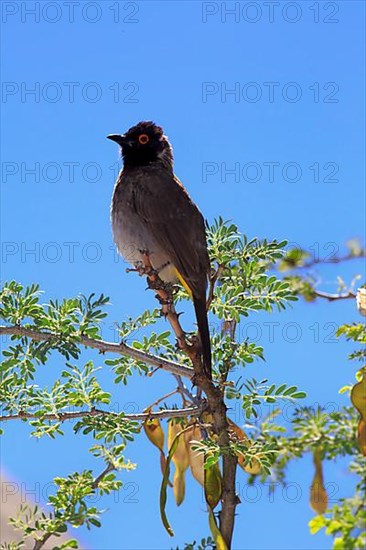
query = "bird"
{"x": 152, "y": 213}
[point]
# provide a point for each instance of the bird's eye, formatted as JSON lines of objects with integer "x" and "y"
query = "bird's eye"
{"x": 143, "y": 138}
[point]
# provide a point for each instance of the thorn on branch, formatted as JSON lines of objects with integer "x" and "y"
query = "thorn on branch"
{"x": 152, "y": 372}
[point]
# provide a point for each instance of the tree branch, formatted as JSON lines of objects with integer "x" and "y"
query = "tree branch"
{"x": 333, "y": 260}
{"x": 62, "y": 417}
{"x": 229, "y": 499}
{"x": 41, "y": 542}
{"x": 215, "y": 401}
{"x": 103, "y": 347}
{"x": 332, "y": 297}
{"x": 106, "y": 471}
{"x": 185, "y": 393}
{"x": 215, "y": 395}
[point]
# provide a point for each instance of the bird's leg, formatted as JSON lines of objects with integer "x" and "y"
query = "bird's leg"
{"x": 145, "y": 259}
{"x": 165, "y": 296}
{"x": 137, "y": 269}
{"x": 143, "y": 267}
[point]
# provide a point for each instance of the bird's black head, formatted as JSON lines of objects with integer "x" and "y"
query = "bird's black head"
{"x": 144, "y": 144}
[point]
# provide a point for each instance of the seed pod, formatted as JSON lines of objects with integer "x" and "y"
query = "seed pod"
{"x": 213, "y": 485}
{"x": 180, "y": 456}
{"x": 318, "y": 494}
{"x": 255, "y": 467}
{"x": 179, "y": 486}
{"x": 196, "y": 459}
{"x": 154, "y": 432}
{"x": 361, "y": 436}
{"x": 180, "y": 459}
{"x": 207, "y": 417}
{"x": 218, "y": 538}
{"x": 358, "y": 397}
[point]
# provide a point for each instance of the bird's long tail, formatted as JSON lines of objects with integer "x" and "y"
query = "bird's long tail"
{"x": 203, "y": 329}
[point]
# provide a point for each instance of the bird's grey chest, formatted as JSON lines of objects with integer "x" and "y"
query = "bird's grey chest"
{"x": 130, "y": 231}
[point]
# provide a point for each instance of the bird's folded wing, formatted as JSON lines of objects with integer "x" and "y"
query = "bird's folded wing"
{"x": 177, "y": 225}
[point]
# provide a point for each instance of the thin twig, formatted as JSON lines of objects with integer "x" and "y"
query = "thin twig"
{"x": 181, "y": 390}
{"x": 41, "y": 542}
{"x": 62, "y": 417}
{"x": 186, "y": 393}
{"x": 333, "y": 260}
{"x": 332, "y": 297}
{"x": 229, "y": 327}
{"x": 106, "y": 471}
{"x": 162, "y": 398}
{"x": 103, "y": 347}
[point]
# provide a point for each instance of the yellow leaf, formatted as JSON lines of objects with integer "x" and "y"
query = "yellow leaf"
{"x": 338, "y": 543}
{"x": 315, "y": 524}
{"x": 344, "y": 389}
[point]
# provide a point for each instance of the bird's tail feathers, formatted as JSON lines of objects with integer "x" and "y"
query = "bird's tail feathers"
{"x": 204, "y": 332}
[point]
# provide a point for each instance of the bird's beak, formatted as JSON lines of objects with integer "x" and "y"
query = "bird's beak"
{"x": 118, "y": 138}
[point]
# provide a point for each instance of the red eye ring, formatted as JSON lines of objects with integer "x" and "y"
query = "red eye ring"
{"x": 143, "y": 139}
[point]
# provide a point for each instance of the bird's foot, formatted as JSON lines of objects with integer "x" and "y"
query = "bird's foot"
{"x": 142, "y": 269}
{"x": 145, "y": 259}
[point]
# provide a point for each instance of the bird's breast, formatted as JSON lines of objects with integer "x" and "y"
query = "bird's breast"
{"x": 132, "y": 234}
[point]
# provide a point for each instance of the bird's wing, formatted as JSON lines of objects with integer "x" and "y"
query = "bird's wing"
{"x": 177, "y": 225}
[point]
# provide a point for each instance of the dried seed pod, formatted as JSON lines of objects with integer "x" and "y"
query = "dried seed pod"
{"x": 213, "y": 485}
{"x": 318, "y": 494}
{"x": 361, "y": 436}
{"x": 154, "y": 432}
{"x": 179, "y": 486}
{"x": 358, "y": 397}
{"x": 218, "y": 538}
{"x": 180, "y": 459}
{"x": 180, "y": 456}
{"x": 255, "y": 467}
{"x": 196, "y": 459}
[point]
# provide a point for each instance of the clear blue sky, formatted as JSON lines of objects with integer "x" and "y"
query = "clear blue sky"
{"x": 298, "y": 98}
